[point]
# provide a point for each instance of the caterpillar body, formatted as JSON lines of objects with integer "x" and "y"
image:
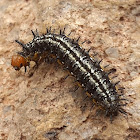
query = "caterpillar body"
{"x": 87, "y": 71}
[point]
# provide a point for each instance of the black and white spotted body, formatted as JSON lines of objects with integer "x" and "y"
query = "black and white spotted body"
{"x": 78, "y": 62}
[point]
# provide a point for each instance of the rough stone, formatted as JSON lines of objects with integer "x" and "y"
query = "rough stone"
{"x": 42, "y": 107}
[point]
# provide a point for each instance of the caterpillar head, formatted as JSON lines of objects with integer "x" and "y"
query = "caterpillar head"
{"x": 19, "y": 61}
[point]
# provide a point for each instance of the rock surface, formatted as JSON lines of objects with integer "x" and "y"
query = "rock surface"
{"x": 43, "y": 106}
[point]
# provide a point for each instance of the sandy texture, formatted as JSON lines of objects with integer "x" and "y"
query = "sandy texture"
{"x": 43, "y": 106}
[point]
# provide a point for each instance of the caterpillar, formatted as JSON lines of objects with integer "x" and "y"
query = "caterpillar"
{"x": 87, "y": 71}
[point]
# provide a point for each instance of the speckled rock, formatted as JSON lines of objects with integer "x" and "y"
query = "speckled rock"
{"x": 43, "y": 106}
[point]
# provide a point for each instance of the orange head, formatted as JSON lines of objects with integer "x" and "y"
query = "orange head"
{"x": 18, "y": 61}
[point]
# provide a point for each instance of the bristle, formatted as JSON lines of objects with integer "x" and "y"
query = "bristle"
{"x": 121, "y": 88}
{"x": 88, "y": 50}
{"x": 100, "y": 61}
{"x": 53, "y": 31}
{"x": 69, "y": 33}
{"x": 92, "y": 106}
{"x": 77, "y": 39}
{"x": 37, "y": 34}
{"x": 123, "y": 104}
{"x": 123, "y": 99}
{"x": 122, "y": 111}
{"x": 33, "y": 33}
{"x": 114, "y": 77}
{"x": 111, "y": 119}
{"x": 85, "y": 98}
{"x": 63, "y": 32}
{"x": 84, "y": 42}
{"x": 66, "y": 77}
{"x": 60, "y": 32}
{"x": 76, "y": 88}
{"x": 116, "y": 83}
{"x": 47, "y": 30}
{"x": 106, "y": 66}
{"x": 50, "y": 29}
{"x": 21, "y": 44}
{"x": 95, "y": 54}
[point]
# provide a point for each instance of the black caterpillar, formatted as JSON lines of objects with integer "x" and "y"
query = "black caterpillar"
{"x": 78, "y": 62}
